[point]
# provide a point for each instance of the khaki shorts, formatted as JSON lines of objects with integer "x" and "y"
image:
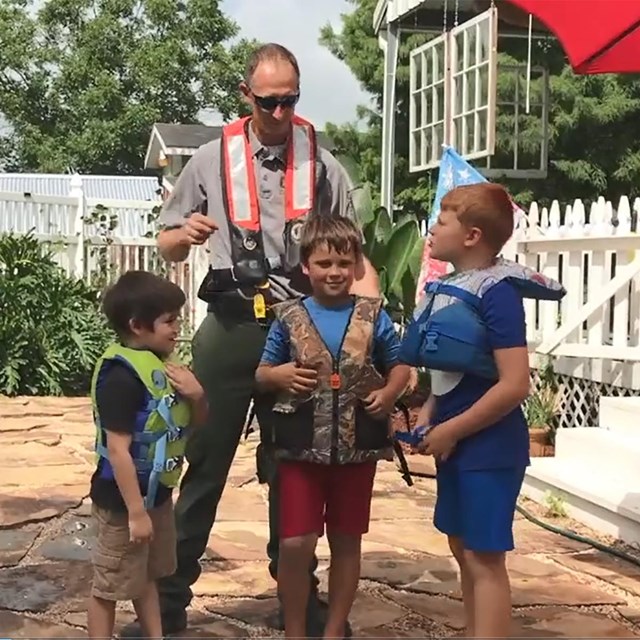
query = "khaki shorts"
{"x": 122, "y": 569}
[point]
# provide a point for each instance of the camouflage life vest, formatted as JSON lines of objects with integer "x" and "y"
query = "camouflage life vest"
{"x": 330, "y": 425}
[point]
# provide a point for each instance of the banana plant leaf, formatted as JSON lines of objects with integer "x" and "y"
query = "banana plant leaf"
{"x": 400, "y": 249}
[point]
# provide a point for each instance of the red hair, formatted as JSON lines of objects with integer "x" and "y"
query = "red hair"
{"x": 486, "y": 206}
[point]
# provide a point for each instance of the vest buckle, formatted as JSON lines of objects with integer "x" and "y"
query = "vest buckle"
{"x": 431, "y": 341}
{"x": 172, "y": 464}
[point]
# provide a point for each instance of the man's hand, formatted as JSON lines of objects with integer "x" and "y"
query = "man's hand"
{"x": 379, "y": 403}
{"x": 198, "y": 228}
{"x": 291, "y": 377}
{"x": 439, "y": 442}
{"x": 183, "y": 381}
{"x": 140, "y": 527}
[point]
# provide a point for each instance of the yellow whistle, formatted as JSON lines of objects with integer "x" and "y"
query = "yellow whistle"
{"x": 259, "y": 306}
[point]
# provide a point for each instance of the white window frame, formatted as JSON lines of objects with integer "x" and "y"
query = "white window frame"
{"x": 427, "y": 95}
{"x": 493, "y": 171}
{"x": 423, "y": 154}
{"x": 464, "y": 106}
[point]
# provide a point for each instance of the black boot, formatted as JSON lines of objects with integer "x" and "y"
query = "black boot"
{"x": 171, "y": 624}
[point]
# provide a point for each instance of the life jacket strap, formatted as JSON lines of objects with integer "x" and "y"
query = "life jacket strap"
{"x": 456, "y": 292}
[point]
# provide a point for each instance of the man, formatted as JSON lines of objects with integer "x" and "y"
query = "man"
{"x": 246, "y": 195}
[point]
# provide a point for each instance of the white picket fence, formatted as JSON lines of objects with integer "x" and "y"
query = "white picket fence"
{"x": 592, "y": 336}
{"x": 98, "y": 240}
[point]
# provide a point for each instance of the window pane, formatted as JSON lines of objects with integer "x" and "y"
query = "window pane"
{"x": 471, "y": 90}
{"x": 459, "y": 52}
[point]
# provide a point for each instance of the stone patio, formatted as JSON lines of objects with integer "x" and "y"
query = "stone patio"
{"x": 561, "y": 588}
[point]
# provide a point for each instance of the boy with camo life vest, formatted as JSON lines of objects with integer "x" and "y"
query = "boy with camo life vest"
{"x": 332, "y": 359}
{"x": 470, "y": 332}
{"x": 142, "y": 407}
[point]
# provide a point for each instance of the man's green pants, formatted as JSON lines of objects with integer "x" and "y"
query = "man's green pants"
{"x": 226, "y": 353}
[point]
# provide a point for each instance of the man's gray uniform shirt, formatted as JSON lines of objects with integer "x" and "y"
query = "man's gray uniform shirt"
{"x": 199, "y": 189}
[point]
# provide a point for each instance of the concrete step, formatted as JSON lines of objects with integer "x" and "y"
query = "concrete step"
{"x": 609, "y": 506}
{"x": 620, "y": 415}
{"x": 608, "y": 454}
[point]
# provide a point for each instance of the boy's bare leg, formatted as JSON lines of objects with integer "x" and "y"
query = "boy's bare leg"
{"x": 294, "y": 582}
{"x": 466, "y": 584}
{"x": 147, "y": 608}
{"x": 492, "y": 594}
{"x": 344, "y": 575}
{"x": 101, "y": 617}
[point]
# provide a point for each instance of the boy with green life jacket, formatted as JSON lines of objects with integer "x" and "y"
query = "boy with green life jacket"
{"x": 142, "y": 407}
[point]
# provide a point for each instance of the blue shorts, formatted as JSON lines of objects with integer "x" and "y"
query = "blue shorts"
{"x": 478, "y": 506}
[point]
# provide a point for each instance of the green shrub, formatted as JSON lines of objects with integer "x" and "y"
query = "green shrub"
{"x": 51, "y": 328}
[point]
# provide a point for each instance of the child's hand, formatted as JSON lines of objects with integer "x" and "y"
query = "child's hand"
{"x": 379, "y": 403}
{"x": 291, "y": 377}
{"x": 140, "y": 528}
{"x": 439, "y": 443}
{"x": 183, "y": 381}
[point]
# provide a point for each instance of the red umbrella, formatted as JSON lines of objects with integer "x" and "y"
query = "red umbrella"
{"x": 598, "y": 36}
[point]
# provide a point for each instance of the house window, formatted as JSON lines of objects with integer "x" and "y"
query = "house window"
{"x": 453, "y": 89}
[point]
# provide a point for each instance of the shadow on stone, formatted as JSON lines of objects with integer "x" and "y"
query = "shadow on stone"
{"x": 38, "y": 587}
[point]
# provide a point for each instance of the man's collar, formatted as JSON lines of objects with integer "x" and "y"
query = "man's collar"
{"x": 260, "y": 150}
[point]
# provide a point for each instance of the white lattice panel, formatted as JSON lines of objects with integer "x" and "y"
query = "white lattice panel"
{"x": 581, "y": 398}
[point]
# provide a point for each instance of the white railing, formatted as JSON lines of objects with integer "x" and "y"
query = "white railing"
{"x": 98, "y": 240}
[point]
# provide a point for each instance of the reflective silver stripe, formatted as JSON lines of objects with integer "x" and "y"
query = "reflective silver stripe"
{"x": 239, "y": 177}
{"x": 302, "y": 187}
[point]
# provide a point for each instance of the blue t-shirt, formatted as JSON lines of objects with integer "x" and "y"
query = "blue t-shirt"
{"x": 505, "y": 443}
{"x": 331, "y": 323}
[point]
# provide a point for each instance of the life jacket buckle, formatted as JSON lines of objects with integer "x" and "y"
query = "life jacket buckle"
{"x": 172, "y": 463}
{"x": 431, "y": 341}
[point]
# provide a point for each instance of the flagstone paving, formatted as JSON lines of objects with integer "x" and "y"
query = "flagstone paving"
{"x": 561, "y": 588}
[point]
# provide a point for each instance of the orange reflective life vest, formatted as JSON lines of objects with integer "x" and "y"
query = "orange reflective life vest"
{"x": 304, "y": 176}
{"x": 240, "y": 179}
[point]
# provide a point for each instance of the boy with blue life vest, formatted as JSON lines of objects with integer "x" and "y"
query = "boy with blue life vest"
{"x": 142, "y": 407}
{"x": 332, "y": 361}
{"x": 470, "y": 332}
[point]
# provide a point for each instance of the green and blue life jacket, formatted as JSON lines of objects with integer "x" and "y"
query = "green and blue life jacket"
{"x": 159, "y": 437}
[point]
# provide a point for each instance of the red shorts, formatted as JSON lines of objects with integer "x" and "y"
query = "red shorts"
{"x": 312, "y": 494}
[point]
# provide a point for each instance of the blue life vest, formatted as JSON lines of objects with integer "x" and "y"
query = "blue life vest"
{"x": 448, "y": 333}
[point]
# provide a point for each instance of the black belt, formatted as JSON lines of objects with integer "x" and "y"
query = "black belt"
{"x": 234, "y": 307}
{"x": 224, "y": 280}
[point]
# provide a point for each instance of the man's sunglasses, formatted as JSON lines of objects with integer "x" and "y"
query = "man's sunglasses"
{"x": 271, "y": 103}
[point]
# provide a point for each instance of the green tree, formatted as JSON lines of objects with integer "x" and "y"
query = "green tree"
{"x": 594, "y": 121}
{"x": 82, "y": 81}
{"x": 357, "y": 45}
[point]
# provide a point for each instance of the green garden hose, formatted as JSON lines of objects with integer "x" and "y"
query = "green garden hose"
{"x": 567, "y": 533}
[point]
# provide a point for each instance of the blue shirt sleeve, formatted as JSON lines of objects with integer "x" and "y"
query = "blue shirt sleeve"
{"x": 504, "y": 317}
{"x": 386, "y": 344}
{"x": 276, "y": 349}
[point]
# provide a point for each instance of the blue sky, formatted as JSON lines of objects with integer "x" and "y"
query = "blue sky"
{"x": 329, "y": 92}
